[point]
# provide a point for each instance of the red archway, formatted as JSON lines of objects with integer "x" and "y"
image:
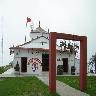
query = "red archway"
{"x": 52, "y": 58}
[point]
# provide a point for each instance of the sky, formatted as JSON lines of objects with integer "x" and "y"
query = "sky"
{"x": 76, "y": 17}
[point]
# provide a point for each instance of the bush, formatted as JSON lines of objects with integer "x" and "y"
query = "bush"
{"x": 73, "y": 70}
{"x": 60, "y": 70}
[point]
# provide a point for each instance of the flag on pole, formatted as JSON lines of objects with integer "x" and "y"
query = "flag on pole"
{"x": 28, "y": 20}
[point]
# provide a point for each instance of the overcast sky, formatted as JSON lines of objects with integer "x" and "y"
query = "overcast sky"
{"x": 66, "y": 16}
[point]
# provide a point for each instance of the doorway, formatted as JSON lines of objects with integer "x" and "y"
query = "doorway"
{"x": 23, "y": 64}
{"x": 45, "y": 62}
{"x": 65, "y": 64}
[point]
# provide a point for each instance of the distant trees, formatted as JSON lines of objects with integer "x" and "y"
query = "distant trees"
{"x": 92, "y": 63}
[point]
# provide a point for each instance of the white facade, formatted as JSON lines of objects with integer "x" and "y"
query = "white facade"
{"x": 32, "y": 52}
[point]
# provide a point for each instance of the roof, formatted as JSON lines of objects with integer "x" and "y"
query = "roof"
{"x": 30, "y": 44}
{"x": 40, "y": 44}
{"x": 29, "y": 48}
{"x": 39, "y": 29}
{"x": 31, "y": 41}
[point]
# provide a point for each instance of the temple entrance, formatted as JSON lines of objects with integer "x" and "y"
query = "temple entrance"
{"x": 65, "y": 64}
{"x": 23, "y": 64}
{"x": 45, "y": 62}
{"x": 52, "y": 57}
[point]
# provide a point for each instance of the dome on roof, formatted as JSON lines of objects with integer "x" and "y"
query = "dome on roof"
{"x": 39, "y": 29}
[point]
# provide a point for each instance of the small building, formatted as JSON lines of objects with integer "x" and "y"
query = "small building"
{"x": 32, "y": 57}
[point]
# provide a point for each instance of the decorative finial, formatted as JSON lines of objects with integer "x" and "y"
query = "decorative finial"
{"x": 48, "y": 30}
{"x": 39, "y": 23}
{"x": 31, "y": 26}
{"x": 25, "y": 38}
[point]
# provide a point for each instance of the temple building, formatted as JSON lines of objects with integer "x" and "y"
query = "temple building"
{"x": 32, "y": 57}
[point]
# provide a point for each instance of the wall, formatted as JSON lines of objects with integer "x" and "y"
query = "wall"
{"x": 65, "y": 55}
{"x": 34, "y": 35}
{"x": 29, "y": 54}
{"x": 77, "y": 65}
{"x": 34, "y": 54}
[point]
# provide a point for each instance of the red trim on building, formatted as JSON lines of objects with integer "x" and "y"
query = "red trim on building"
{"x": 39, "y": 49}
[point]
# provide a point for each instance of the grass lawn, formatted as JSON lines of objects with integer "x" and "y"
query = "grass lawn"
{"x": 23, "y": 86}
{"x": 74, "y": 82}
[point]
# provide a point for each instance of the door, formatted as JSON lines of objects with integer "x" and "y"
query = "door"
{"x": 65, "y": 64}
{"x": 23, "y": 64}
{"x": 45, "y": 62}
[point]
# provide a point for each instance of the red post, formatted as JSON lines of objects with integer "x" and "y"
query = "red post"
{"x": 52, "y": 62}
{"x": 83, "y": 63}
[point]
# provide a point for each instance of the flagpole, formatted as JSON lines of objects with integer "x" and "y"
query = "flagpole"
{"x": 2, "y": 48}
{"x": 27, "y": 25}
{"x": 2, "y": 37}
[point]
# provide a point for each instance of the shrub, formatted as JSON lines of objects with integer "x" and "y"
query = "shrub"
{"x": 60, "y": 70}
{"x": 73, "y": 70}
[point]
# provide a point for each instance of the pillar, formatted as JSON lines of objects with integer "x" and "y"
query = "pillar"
{"x": 52, "y": 62}
{"x": 83, "y": 63}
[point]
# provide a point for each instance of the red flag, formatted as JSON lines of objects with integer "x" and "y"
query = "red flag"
{"x": 28, "y": 20}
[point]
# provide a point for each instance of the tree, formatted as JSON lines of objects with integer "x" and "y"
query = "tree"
{"x": 92, "y": 61}
{"x": 72, "y": 47}
{"x": 63, "y": 44}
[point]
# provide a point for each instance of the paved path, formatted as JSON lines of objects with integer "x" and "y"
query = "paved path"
{"x": 91, "y": 74}
{"x": 63, "y": 89}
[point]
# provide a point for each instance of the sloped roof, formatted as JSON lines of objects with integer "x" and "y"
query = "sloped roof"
{"x": 31, "y": 41}
{"x": 39, "y": 29}
{"x": 31, "y": 44}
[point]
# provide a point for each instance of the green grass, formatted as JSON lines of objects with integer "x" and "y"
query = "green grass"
{"x": 73, "y": 81}
{"x": 24, "y": 86}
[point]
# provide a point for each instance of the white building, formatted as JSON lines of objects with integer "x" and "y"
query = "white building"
{"x": 32, "y": 57}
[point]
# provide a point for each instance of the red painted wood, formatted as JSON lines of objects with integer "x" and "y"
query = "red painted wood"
{"x": 52, "y": 58}
{"x": 52, "y": 62}
{"x": 83, "y": 63}
{"x": 68, "y": 36}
